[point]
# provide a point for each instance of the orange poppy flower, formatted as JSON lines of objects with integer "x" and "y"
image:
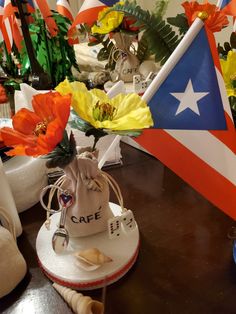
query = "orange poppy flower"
{"x": 216, "y": 19}
{"x": 37, "y": 133}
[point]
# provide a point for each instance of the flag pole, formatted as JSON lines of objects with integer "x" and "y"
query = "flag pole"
{"x": 118, "y": 88}
{"x": 40, "y": 79}
{"x": 219, "y": 4}
{"x": 162, "y": 74}
{"x": 173, "y": 59}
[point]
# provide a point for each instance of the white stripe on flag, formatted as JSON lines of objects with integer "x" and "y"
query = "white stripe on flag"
{"x": 64, "y": 3}
{"x": 90, "y": 4}
{"x": 219, "y": 156}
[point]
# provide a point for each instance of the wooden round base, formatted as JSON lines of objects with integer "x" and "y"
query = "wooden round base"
{"x": 61, "y": 268}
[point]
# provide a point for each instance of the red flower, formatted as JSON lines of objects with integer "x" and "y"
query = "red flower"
{"x": 215, "y": 21}
{"x": 127, "y": 24}
{"x": 37, "y": 133}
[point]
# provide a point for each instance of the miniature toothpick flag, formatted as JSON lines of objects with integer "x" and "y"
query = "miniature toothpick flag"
{"x": 5, "y": 25}
{"x": 227, "y": 6}
{"x": 63, "y": 7}
{"x": 89, "y": 10}
{"x": 196, "y": 136}
{"x": 43, "y": 7}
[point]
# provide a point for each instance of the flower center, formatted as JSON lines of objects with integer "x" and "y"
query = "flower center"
{"x": 103, "y": 111}
{"x": 233, "y": 80}
{"x": 40, "y": 128}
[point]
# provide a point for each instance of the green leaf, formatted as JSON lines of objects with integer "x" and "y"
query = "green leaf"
{"x": 155, "y": 29}
{"x": 63, "y": 154}
{"x": 132, "y": 133}
{"x": 161, "y": 7}
{"x": 233, "y": 40}
{"x": 179, "y": 21}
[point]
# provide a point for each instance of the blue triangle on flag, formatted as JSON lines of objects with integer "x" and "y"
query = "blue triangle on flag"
{"x": 190, "y": 98}
{"x": 109, "y": 3}
{"x": 224, "y": 3}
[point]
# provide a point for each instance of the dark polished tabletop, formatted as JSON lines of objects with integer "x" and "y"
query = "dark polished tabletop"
{"x": 185, "y": 263}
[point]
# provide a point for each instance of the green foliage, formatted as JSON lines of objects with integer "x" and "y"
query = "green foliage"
{"x": 55, "y": 54}
{"x": 105, "y": 52}
{"x": 179, "y": 21}
{"x": 227, "y": 46}
{"x": 7, "y": 60}
{"x": 232, "y": 102}
{"x": 161, "y": 7}
{"x": 160, "y": 37}
{"x": 142, "y": 51}
{"x": 63, "y": 154}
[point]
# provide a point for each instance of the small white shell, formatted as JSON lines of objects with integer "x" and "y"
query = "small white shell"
{"x": 79, "y": 303}
{"x": 91, "y": 259}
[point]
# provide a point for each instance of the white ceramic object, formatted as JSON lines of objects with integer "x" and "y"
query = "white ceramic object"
{"x": 148, "y": 66}
{"x": 61, "y": 268}
{"x": 7, "y": 200}
{"x": 27, "y": 177}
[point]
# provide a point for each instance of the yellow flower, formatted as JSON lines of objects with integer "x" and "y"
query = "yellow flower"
{"x": 123, "y": 112}
{"x": 107, "y": 22}
{"x": 229, "y": 73}
{"x": 66, "y": 87}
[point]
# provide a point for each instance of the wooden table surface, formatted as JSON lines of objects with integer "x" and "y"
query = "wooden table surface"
{"x": 185, "y": 263}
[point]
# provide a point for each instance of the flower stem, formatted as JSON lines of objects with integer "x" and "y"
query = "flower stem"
{"x": 95, "y": 142}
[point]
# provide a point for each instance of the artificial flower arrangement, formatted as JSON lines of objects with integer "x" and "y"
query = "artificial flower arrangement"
{"x": 53, "y": 53}
{"x": 42, "y": 132}
{"x": 228, "y": 66}
{"x": 119, "y": 26}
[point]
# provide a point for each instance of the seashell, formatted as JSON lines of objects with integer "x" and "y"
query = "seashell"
{"x": 91, "y": 259}
{"x": 79, "y": 303}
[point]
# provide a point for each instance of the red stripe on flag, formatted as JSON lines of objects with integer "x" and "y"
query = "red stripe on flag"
{"x": 193, "y": 170}
{"x": 230, "y": 9}
{"x": 63, "y": 11}
{"x": 47, "y": 15}
{"x": 228, "y": 137}
{"x": 17, "y": 36}
{"x": 8, "y": 10}
{"x": 88, "y": 16}
{"x": 212, "y": 45}
{"x": 7, "y": 37}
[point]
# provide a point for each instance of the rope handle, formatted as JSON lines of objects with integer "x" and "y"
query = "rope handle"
{"x": 115, "y": 187}
{"x": 110, "y": 180}
{"x": 9, "y": 221}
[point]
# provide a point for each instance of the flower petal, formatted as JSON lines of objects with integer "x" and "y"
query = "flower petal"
{"x": 12, "y": 137}
{"x": 66, "y": 87}
{"x": 25, "y": 121}
{"x": 42, "y": 105}
{"x": 135, "y": 120}
{"x": 82, "y": 103}
{"x": 61, "y": 109}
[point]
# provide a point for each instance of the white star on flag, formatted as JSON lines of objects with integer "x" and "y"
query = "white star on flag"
{"x": 188, "y": 99}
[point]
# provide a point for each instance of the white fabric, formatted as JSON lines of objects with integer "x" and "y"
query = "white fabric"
{"x": 12, "y": 264}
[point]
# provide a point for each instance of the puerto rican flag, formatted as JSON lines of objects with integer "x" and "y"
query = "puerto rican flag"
{"x": 12, "y": 25}
{"x": 227, "y": 6}
{"x": 64, "y": 9}
{"x": 194, "y": 134}
{"x": 5, "y": 28}
{"x": 89, "y": 10}
{"x": 43, "y": 7}
{"x": 30, "y": 6}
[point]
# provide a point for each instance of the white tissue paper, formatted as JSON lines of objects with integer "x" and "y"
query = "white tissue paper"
{"x": 7, "y": 200}
{"x": 27, "y": 177}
